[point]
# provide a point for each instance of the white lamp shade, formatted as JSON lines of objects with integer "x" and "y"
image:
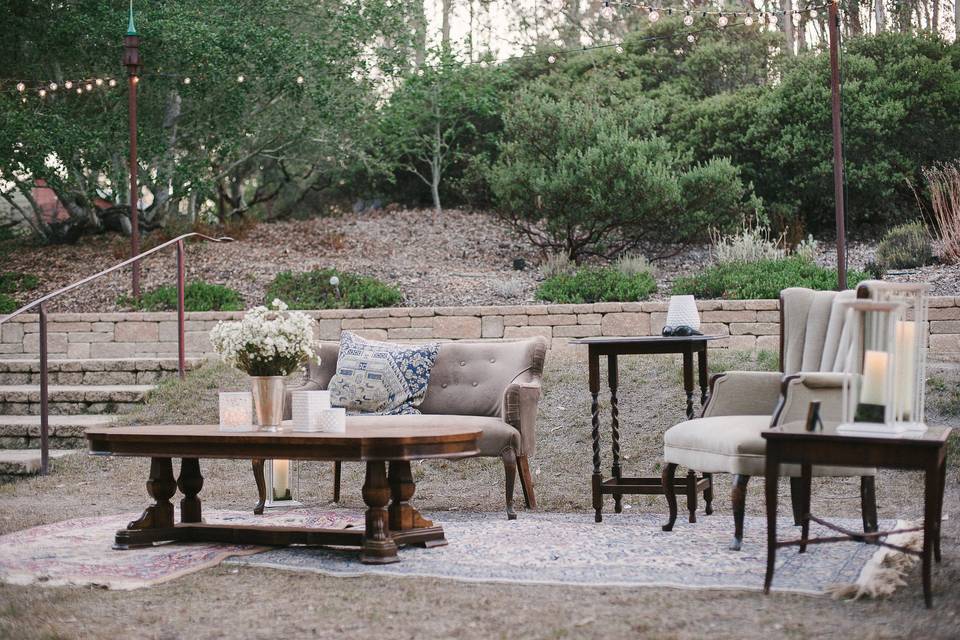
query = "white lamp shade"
{"x": 683, "y": 312}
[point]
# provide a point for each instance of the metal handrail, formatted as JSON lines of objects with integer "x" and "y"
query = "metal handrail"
{"x": 42, "y": 312}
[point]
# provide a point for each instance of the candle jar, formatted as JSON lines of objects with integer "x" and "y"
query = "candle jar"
{"x": 236, "y": 411}
{"x": 911, "y": 336}
{"x": 282, "y": 477}
{"x": 307, "y": 409}
{"x": 870, "y": 364}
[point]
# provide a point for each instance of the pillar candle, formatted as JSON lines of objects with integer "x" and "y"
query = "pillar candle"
{"x": 906, "y": 367}
{"x": 281, "y": 478}
{"x": 874, "y": 377}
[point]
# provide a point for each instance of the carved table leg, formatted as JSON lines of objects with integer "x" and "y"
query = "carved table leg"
{"x": 161, "y": 486}
{"x": 261, "y": 486}
{"x": 596, "y": 479}
{"x": 702, "y": 377}
{"x": 708, "y": 494}
{"x": 402, "y": 515}
{"x": 612, "y": 381}
{"x": 378, "y": 546}
{"x": 692, "y": 495}
{"x": 688, "y": 381}
{"x": 806, "y": 489}
{"x": 190, "y": 482}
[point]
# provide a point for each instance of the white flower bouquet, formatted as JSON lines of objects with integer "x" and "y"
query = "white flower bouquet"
{"x": 266, "y": 342}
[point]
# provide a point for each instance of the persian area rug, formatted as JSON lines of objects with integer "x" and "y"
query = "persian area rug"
{"x": 80, "y": 552}
{"x": 627, "y": 550}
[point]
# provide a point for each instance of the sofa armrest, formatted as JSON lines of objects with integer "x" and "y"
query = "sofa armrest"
{"x": 306, "y": 385}
{"x": 800, "y": 389}
{"x": 520, "y": 400}
{"x": 743, "y": 393}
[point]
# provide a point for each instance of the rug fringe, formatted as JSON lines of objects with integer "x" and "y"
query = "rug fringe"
{"x": 884, "y": 572}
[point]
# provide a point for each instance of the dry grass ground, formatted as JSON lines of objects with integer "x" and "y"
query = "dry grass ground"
{"x": 262, "y": 603}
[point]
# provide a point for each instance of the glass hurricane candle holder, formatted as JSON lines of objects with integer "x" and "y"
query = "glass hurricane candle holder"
{"x": 911, "y": 334}
{"x": 236, "y": 411}
{"x": 870, "y": 364}
{"x": 283, "y": 477}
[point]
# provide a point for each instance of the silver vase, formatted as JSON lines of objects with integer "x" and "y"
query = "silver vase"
{"x": 268, "y": 401}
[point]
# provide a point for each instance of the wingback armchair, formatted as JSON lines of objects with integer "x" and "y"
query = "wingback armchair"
{"x": 726, "y": 438}
{"x": 492, "y": 385}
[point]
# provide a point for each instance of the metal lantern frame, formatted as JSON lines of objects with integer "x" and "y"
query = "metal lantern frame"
{"x": 283, "y": 490}
{"x": 870, "y": 366}
{"x": 912, "y": 335}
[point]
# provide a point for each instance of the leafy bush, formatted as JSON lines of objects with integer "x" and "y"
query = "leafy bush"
{"x": 631, "y": 264}
{"x": 197, "y": 296}
{"x": 12, "y": 282}
{"x": 595, "y": 284}
{"x": 905, "y": 246}
{"x": 313, "y": 290}
{"x": 761, "y": 279}
{"x": 752, "y": 244}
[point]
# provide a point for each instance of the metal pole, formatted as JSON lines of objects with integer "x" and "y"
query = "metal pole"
{"x": 131, "y": 60}
{"x": 838, "y": 191}
{"x": 181, "y": 351}
{"x": 44, "y": 395}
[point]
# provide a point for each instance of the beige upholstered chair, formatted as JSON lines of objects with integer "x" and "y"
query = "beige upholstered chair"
{"x": 493, "y": 385}
{"x": 726, "y": 439}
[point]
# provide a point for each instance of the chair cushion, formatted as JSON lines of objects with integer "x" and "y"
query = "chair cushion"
{"x": 731, "y": 444}
{"x": 497, "y": 435}
{"x": 381, "y": 377}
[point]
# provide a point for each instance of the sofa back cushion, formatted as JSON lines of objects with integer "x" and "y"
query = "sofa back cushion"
{"x": 468, "y": 378}
{"x": 814, "y": 330}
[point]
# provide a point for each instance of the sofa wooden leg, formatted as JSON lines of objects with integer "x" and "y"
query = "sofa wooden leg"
{"x": 666, "y": 481}
{"x": 337, "y": 466}
{"x": 738, "y": 498}
{"x": 509, "y": 457}
{"x": 526, "y": 482}
{"x": 868, "y": 502}
{"x": 796, "y": 500}
{"x": 692, "y": 495}
{"x": 261, "y": 486}
{"x": 708, "y": 494}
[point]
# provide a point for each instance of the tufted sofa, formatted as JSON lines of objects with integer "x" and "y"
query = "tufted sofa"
{"x": 492, "y": 385}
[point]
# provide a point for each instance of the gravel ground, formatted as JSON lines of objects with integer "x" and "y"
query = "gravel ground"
{"x": 231, "y": 601}
{"x": 459, "y": 258}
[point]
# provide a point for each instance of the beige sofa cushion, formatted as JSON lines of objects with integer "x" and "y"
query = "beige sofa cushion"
{"x": 497, "y": 435}
{"x": 731, "y": 444}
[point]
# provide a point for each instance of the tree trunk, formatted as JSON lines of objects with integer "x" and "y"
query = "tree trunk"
{"x": 788, "y": 34}
{"x": 419, "y": 21}
{"x": 879, "y": 15}
{"x": 446, "y": 9}
{"x": 856, "y": 26}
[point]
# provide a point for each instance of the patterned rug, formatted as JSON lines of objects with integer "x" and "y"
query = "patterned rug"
{"x": 79, "y": 552}
{"x": 627, "y": 550}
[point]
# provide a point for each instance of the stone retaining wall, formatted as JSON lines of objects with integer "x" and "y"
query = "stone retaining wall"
{"x": 746, "y": 324}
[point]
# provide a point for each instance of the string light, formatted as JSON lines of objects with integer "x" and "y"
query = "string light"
{"x": 300, "y": 80}
{"x": 89, "y": 87}
{"x": 691, "y": 38}
{"x": 551, "y": 59}
{"x": 53, "y": 86}
{"x": 68, "y": 84}
{"x": 21, "y": 87}
{"x": 748, "y": 20}
{"x": 112, "y": 82}
{"x": 607, "y": 11}
{"x": 186, "y": 80}
{"x": 79, "y": 90}
{"x": 688, "y": 19}
{"x": 42, "y": 93}
{"x": 240, "y": 78}
{"x": 654, "y": 15}
{"x": 618, "y": 49}
{"x": 99, "y": 82}
{"x": 722, "y": 21}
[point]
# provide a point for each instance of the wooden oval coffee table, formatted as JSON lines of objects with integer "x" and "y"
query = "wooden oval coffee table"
{"x": 390, "y": 519}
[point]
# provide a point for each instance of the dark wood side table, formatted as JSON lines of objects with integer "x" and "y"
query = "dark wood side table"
{"x": 611, "y": 347}
{"x": 793, "y": 444}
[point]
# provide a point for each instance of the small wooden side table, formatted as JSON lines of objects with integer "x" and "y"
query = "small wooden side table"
{"x": 612, "y": 347}
{"x": 793, "y": 444}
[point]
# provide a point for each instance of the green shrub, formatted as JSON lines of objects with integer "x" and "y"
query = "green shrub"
{"x": 905, "y": 246}
{"x": 7, "y": 304}
{"x": 312, "y": 290}
{"x": 12, "y": 282}
{"x": 760, "y": 280}
{"x": 596, "y": 285}
{"x": 197, "y": 296}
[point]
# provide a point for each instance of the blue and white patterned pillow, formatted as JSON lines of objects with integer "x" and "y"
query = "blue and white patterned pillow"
{"x": 381, "y": 377}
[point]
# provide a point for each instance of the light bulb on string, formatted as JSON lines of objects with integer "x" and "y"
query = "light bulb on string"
{"x": 814, "y": 13}
{"x": 691, "y": 38}
{"x": 240, "y": 78}
{"x": 748, "y": 21}
{"x": 187, "y": 80}
{"x": 79, "y": 90}
{"x": 300, "y": 80}
{"x": 722, "y": 21}
{"x": 606, "y": 11}
{"x": 53, "y": 86}
{"x": 42, "y": 93}
{"x": 135, "y": 79}
{"x": 21, "y": 87}
{"x": 89, "y": 87}
{"x": 112, "y": 82}
{"x": 99, "y": 82}
{"x": 688, "y": 19}
{"x": 654, "y": 15}
{"x": 773, "y": 19}
{"x": 551, "y": 59}
{"x": 68, "y": 84}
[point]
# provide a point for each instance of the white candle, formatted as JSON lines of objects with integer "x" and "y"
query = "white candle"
{"x": 906, "y": 367}
{"x": 281, "y": 478}
{"x": 874, "y": 377}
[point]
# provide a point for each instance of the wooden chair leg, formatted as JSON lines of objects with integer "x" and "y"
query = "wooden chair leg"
{"x": 796, "y": 500}
{"x": 692, "y": 495}
{"x": 738, "y": 498}
{"x": 526, "y": 482}
{"x": 261, "y": 486}
{"x": 708, "y": 494}
{"x": 868, "y": 502}
{"x": 509, "y": 457}
{"x": 666, "y": 481}
{"x": 337, "y": 467}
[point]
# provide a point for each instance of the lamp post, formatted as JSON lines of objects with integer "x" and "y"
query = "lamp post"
{"x": 131, "y": 60}
{"x": 839, "y": 194}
